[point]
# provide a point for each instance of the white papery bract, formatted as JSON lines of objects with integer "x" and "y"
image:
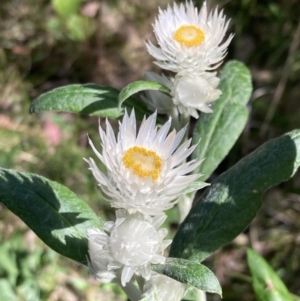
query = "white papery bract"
{"x": 144, "y": 170}
{"x": 161, "y": 287}
{"x": 192, "y": 92}
{"x": 188, "y": 39}
{"x": 129, "y": 246}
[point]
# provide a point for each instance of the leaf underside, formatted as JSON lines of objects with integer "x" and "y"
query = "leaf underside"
{"x": 191, "y": 273}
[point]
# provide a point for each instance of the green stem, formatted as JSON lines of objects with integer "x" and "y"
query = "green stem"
{"x": 186, "y": 201}
{"x": 201, "y": 295}
{"x": 184, "y": 206}
{"x": 133, "y": 293}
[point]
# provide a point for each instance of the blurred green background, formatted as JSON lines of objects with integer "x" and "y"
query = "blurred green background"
{"x": 46, "y": 44}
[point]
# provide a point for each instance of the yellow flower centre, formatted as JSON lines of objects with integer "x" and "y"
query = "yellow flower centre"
{"x": 143, "y": 162}
{"x": 189, "y": 35}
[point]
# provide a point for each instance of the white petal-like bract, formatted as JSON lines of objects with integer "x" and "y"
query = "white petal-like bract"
{"x": 145, "y": 171}
{"x": 132, "y": 245}
{"x": 192, "y": 92}
{"x": 188, "y": 39}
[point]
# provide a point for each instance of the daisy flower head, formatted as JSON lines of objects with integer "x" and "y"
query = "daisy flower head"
{"x": 192, "y": 92}
{"x": 188, "y": 39}
{"x": 127, "y": 247}
{"x": 143, "y": 170}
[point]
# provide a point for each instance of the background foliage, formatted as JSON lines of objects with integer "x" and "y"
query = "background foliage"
{"x": 44, "y": 46}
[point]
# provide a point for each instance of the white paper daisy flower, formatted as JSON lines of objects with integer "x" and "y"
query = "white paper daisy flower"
{"x": 143, "y": 171}
{"x": 128, "y": 246}
{"x": 192, "y": 92}
{"x": 188, "y": 39}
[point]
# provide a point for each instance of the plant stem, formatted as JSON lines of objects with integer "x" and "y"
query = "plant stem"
{"x": 132, "y": 291}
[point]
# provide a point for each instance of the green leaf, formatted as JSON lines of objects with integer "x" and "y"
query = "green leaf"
{"x": 52, "y": 211}
{"x": 66, "y": 8}
{"x": 8, "y": 263}
{"x": 79, "y": 28}
{"x": 190, "y": 272}
{"x": 195, "y": 186}
{"x": 267, "y": 285}
{"x": 86, "y": 99}
{"x": 29, "y": 290}
{"x": 138, "y": 86}
{"x": 217, "y": 132}
{"x": 229, "y": 205}
{"x": 7, "y": 292}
